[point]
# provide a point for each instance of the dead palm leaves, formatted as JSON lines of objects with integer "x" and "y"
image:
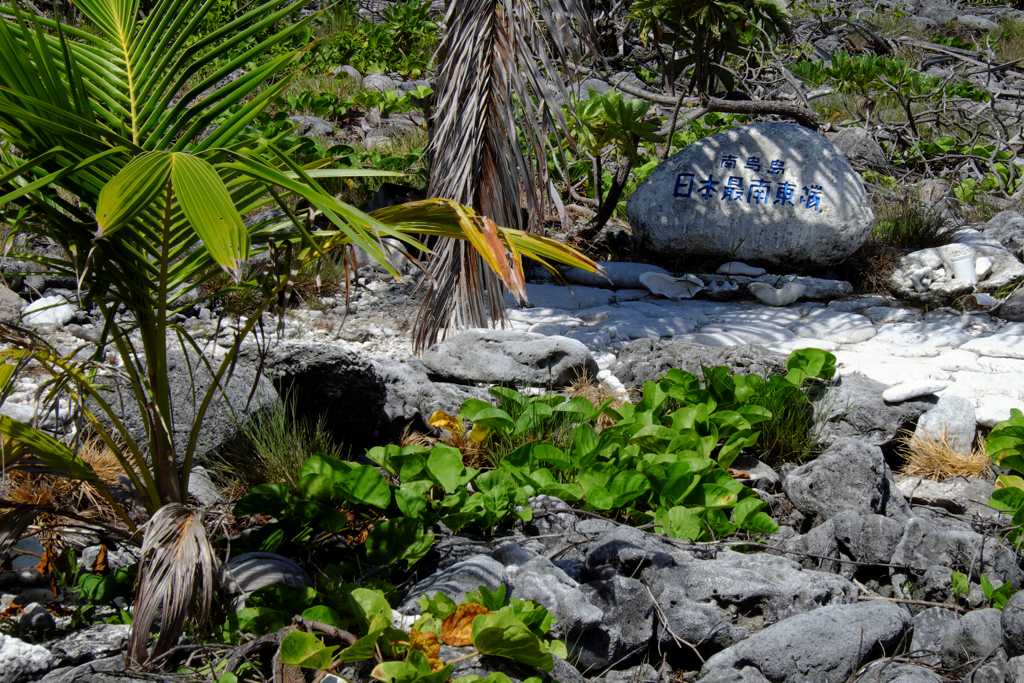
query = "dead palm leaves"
{"x": 494, "y": 63}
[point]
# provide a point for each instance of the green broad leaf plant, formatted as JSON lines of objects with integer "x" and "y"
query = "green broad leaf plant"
{"x": 1005, "y": 445}
{"x": 124, "y": 146}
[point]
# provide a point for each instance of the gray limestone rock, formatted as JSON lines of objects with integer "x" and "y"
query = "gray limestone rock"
{"x": 886, "y": 671}
{"x": 613, "y": 274}
{"x": 627, "y": 627}
{"x": 849, "y": 475}
{"x": 457, "y": 580}
{"x": 201, "y": 487}
{"x": 867, "y": 538}
{"x": 10, "y": 305}
{"x": 411, "y": 395}
{"x": 951, "y": 421}
{"x": 671, "y": 215}
{"x": 701, "y": 624}
{"x": 855, "y": 409}
{"x": 312, "y": 126}
{"x": 859, "y": 147}
{"x": 777, "y": 587}
{"x": 925, "y": 277}
{"x": 1013, "y": 307}
{"x": 644, "y": 360}
{"x": 330, "y": 382}
{"x": 543, "y": 582}
{"x": 930, "y": 626}
{"x": 1007, "y": 228}
{"x": 626, "y": 551}
{"x": 826, "y": 645}
{"x": 20, "y": 661}
{"x": 1015, "y": 670}
{"x": 96, "y": 642}
{"x": 975, "y": 635}
{"x": 35, "y": 617}
{"x": 232, "y": 406}
{"x": 510, "y": 356}
{"x": 1012, "y": 623}
{"x": 747, "y": 674}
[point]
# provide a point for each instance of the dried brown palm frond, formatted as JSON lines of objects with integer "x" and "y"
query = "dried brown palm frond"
{"x": 934, "y": 458}
{"x": 494, "y": 60}
{"x": 178, "y": 566}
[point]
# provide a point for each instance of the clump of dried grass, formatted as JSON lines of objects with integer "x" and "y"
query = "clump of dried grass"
{"x": 597, "y": 393}
{"x": 934, "y": 458}
{"x": 473, "y": 452}
{"x": 36, "y": 488}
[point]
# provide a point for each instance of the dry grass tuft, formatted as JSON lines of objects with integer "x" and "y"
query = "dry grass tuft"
{"x": 34, "y": 488}
{"x": 597, "y": 394}
{"x": 934, "y": 458}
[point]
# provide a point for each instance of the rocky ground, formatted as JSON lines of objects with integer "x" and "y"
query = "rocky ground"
{"x": 855, "y": 586}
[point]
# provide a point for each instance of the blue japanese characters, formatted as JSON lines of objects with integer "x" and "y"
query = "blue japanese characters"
{"x": 759, "y": 189}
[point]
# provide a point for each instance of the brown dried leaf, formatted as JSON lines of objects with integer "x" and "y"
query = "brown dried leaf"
{"x": 456, "y": 629}
{"x": 100, "y": 565}
{"x": 429, "y": 645}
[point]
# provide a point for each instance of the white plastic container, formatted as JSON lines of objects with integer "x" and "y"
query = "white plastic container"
{"x": 963, "y": 269}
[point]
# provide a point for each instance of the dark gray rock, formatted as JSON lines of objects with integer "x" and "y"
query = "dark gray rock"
{"x": 252, "y": 571}
{"x": 849, "y": 475}
{"x": 626, "y": 629}
{"x": 233, "y": 405}
{"x": 855, "y": 409}
{"x": 107, "y": 670}
{"x": 511, "y": 554}
{"x": 644, "y": 360}
{"x": 1012, "y": 623}
{"x": 636, "y": 674}
{"x": 312, "y": 126}
{"x": 10, "y": 305}
{"x": 96, "y": 642}
{"x": 330, "y": 382}
{"x": 626, "y": 551}
{"x": 509, "y": 356}
{"x": 670, "y": 216}
{"x": 412, "y": 396}
{"x": 747, "y": 674}
{"x": 859, "y": 147}
{"x": 458, "y": 580}
{"x": 1013, "y": 307}
{"x": 823, "y": 646}
{"x": 974, "y": 636}
{"x": 867, "y": 538}
{"x": 930, "y": 626}
{"x": 35, "y": 617}
{"x": 1007, "y": 228}
{"x": 700, "y": 624}
{"x": 613, "y": 274}
{"x": 774, "y": 586}
{"x": 926, "y": 548}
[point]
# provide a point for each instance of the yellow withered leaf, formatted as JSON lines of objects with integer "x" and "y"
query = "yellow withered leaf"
{"x": 443, "y": 420}
{"x": 429, "y": 645}
{"x": 479, "y": 433}
{"x": 456, "y": 629}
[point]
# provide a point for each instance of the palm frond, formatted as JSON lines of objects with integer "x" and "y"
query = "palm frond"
{"x": 177, "y": 566}
{"x": 494, "y": 63}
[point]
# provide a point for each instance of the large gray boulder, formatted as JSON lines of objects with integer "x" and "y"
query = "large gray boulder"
{"x": 776, "y": 586}
{"x": 21, "y": 661}
{"x": 854, "y": 408}
{"x": 823, "y": 646}
{"x": 849, "y": 475}
{"x": 328, "y": 381}
{"x": 249, "y": 572}
{"x": 774, "y": 193}
{"x": 644, "y": 360}
{"x": 1007, "y": 228}
{"x": 412, "y": 396}
{"x": 244, "y": 395}
{"x": 951, "y": 421}
{"x": 510, "y": 356}
{"x": 543, "y": 582}
{"x": 613, "y": 274}
{"x": 1012, "y": 622}
{"x": 458, "y": 580}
